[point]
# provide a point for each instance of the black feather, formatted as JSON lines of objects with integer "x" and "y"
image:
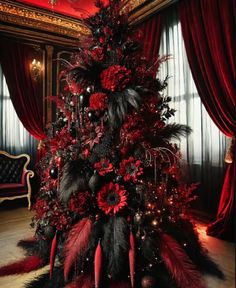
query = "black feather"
{"x": 119, "y": 103}
{"x": 44, "y": 281}
{"x": 115, "y": 245}
{"x": 184, "y": 232}
{"x": 95, "y": 235}
{"x": 29, "y": 246}
{"x": 149, "y": 248}
{"x": 74, "y": 178}
{"x": 174, "y": 130}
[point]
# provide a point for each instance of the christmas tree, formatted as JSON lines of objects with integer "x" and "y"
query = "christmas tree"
{"x": 111, "y": 210}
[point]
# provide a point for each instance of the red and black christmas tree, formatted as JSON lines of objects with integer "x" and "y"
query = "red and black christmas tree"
{"x": 112, "y": 205}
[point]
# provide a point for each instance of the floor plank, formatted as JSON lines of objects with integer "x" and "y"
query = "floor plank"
{"x": 14, "y": 225}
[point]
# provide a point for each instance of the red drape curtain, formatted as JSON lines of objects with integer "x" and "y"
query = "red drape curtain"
{"x": 15, "y": 59}
{"x": 151, "y": 30}
{"x": 209, "y": 30}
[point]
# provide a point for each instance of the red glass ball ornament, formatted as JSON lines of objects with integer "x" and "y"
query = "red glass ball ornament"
{"x": 148, "y": 282}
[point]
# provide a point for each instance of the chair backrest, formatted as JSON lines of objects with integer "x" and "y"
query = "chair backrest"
{"x": 12, "y": 167}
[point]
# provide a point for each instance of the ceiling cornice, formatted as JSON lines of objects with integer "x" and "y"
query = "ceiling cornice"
{"x": 38, "y": 19}
{"x": 33, "y": 23}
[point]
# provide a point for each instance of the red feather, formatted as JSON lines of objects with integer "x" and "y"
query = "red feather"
{"x": 82, "y": 281}
{"x": 53, "y": 253}
{"x": 132, "y": 258}
{"x": 25, "y": 265}
{"x": 97, "y": 265}
{"x": 179, "y": 264}
{"x": 77, "y": 243}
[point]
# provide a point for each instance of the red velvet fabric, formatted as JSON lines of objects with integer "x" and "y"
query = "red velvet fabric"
{"x": 151, "y": 30}
{"x": 209, "y": 29}
{"x": 15, "y": 60}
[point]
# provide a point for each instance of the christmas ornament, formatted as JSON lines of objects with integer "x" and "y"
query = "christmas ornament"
{"x": 148, "y": 282}
{"x": 98, "y": 265}
{"x": 81, "y": 100}
{"x": 92, "y": 116}
{"x": 138, "y": 217}
{"x": 53, "y": 172}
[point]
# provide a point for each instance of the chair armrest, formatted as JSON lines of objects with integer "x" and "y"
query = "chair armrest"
{"x": 26, "y": 175}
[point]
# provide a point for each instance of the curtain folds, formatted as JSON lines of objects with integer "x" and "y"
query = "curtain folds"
{"x": 151, "y": 30}
{"x": 209, "y": 29}
{"x": 15, "y": 59}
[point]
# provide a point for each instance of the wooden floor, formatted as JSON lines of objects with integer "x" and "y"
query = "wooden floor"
{"x": 14, "y": 225}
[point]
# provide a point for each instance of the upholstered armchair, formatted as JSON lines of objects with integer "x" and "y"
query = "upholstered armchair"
{"x": 15, "y": 177}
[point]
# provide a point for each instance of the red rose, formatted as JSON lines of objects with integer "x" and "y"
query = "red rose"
{"x": 115, "y": 78}
{"x": 98, "y": 54}
{"x": 98, "y": 101}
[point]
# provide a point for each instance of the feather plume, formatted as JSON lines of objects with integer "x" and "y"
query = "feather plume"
{"x": 44, "y": 281}
{"x": 53, "y": 253}
{"x": 132, "y": 258}
{"x": 75, "y": 178}
{"x": 77, "y": 243}
{"x": 179, "y": 264}
{"x": 25, "y": 265}
{"x": 185, "y": 232}
{"x": 115, "y": 244}
{"x": 28, "y": 245}
{"x": 119, "y": 103}
{"x": 173, "y": 130}
{"x": 98, "y": 265}
{"x": 149, "y": 248}
{"x": 82, "y": 281}
{"x": 39, "y": 247}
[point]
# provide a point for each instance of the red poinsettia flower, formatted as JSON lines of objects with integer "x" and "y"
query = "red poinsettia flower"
{"x": 115, "y": 78}
{"x": 130, "y": 169}
{"x": 103, "y": 167}
{"x": 111, "y": 198}
{"x": 98, "y": 101}
{"x": 92, "y": 136}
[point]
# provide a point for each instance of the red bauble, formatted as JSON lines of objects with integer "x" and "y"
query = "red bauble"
{"x": 148, "y": 282}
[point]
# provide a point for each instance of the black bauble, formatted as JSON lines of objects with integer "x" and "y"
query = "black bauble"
{"x": 81, "y": 100}
{"x": 92, "y": 116}
{"x": 53, "y": 172}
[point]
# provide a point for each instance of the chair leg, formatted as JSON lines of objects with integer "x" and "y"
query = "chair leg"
{"x": 29, "y": 203}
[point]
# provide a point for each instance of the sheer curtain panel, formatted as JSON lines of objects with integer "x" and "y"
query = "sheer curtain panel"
{"x": 204, "y": 148}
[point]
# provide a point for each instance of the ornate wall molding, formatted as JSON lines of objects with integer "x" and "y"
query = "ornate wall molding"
{"x": 38, "y": 19}
{"x": 142, "y": 9}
